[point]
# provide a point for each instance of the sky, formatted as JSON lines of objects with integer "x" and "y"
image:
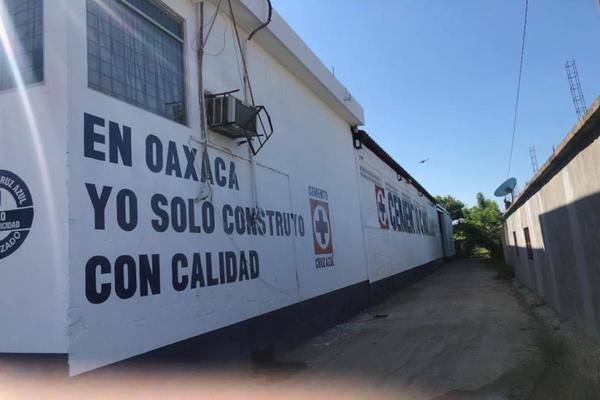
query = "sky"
{"x": 438, "y": 79}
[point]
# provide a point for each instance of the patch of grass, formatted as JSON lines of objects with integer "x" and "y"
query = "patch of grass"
{"x": 480, "y": 252}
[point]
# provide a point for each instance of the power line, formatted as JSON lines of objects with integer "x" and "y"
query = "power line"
{"x": 512, "y": 144}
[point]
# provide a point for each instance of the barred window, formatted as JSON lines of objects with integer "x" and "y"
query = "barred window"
{"x": 528, "y": 243}
{"x": 22, "y": 22}
{"x": 135, "y": 53}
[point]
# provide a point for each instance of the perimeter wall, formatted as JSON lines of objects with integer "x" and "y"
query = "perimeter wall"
{"x": 552, "y": 231}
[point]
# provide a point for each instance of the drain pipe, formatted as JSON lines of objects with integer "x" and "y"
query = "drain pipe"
{"x": 203, "y": 121}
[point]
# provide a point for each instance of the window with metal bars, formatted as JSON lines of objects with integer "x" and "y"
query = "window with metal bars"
{"x": 528, "y": 243}
{"x": 22, "y": 56}
{"x": 135, "y": 54}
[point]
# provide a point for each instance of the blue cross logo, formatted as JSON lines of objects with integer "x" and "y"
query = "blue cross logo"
{"x": 322, "y": 228}
{"x": 381, "y": 208}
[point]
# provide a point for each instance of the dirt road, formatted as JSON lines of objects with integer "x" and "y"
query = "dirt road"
{"x": 458, "y": 334}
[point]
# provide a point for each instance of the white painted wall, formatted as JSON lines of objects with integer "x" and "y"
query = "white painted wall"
{"x": 448, "y": 232}
{"x": 311, "y": 147}
{"x": 390, "y": 251}
{"x": 33, "y": 137}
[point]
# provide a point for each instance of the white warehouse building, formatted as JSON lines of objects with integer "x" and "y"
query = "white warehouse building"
{"x": 169, "y": 183}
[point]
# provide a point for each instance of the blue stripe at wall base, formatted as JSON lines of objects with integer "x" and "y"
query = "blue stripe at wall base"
{"x": 282, "y": 329}
{"x": 276, "y": 331}
{"x": 383, "y": 288}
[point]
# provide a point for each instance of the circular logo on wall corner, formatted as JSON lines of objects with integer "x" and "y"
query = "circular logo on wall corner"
{"x": 16, "y": 213}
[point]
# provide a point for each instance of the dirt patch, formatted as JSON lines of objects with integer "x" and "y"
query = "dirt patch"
{"x": 571, "y": 359}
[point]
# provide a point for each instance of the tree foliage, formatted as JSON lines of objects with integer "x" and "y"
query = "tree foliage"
{"x": 475, "y": 227}
{"x": 453, "y": 206}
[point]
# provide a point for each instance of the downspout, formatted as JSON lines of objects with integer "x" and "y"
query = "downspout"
{"x": 204, "y": 194}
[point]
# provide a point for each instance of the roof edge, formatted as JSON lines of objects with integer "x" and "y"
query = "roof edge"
{"x": 584, "y": 126}
{"x": 371, "y": 144}
{"x": 285, "y": 46}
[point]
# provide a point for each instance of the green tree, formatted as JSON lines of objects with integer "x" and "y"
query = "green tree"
{"x": 481, "y": 226}
{"x": 475, "y": 227}
{"x": 453, "y": 206}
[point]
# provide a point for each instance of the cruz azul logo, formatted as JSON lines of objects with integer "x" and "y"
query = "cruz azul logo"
{"x": 16, "y": 213}
{"x": 382, "y": 214}
{"x": 321, "y": 227}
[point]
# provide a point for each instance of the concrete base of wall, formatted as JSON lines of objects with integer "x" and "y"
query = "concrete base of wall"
{"x": 388, "y": 286}
{"x": 282, "y": 329}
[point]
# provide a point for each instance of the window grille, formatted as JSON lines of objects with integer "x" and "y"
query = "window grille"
{"x": 135, "y": 54}
{"x": 23, "y": 22}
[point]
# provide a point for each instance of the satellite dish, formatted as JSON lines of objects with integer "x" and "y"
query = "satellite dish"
{"x": 508, "y": 187}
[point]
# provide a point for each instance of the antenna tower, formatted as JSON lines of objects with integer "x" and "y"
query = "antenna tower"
{"x": 533, "y": 156}
{"x": 575, "y": 86}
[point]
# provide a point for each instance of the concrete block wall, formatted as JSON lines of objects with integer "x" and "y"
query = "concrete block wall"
{"x": 560, "y": 208}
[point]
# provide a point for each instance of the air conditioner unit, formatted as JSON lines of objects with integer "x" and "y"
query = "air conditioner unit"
{"x": 230, "y": 116}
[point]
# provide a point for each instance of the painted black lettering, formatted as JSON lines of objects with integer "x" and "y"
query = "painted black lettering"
{"x": 162, "y": 223}
{"x": 178, "y": 214}
{"x": 233, "y": 180}
{"x": 172, "y": 166}
{"x": 92, "y": 293}
{"x": 91, "y": 137}
{"x": 190, "y": 169}
{"x": 192, "y": 217}
{"x": 119, "y": 144}
{"x": 197, "y": 273}
{"x": 149, "y": 275}
{"x": 228, "y": 227}
{"x": 244, "y": 273}
{"x": 220, "y": 167}
{"x": 99, "y": 203}
{"x": 209, "y": 272}
{"x": 279, "y": 223}
{"x": 222, "y": 267}
{"x": 125, "y": 277}
{"x": 231, "y": 266}
{"x": 179, "y": 261}
{"x": 127, "y": 213}
{"x": 270, "y": 215}
{"x": 206, "y": 173}
{"x": 154, "y": 154}
{"x": 254, "y": 265}
{"x": 240, "y": 221}
{"x": 208, "y": 217}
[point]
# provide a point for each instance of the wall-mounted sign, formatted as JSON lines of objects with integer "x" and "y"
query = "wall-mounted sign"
{"x": 16, "y": 213}
{"x": 382, "y": 214}
{"x": 321, "y": 227}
